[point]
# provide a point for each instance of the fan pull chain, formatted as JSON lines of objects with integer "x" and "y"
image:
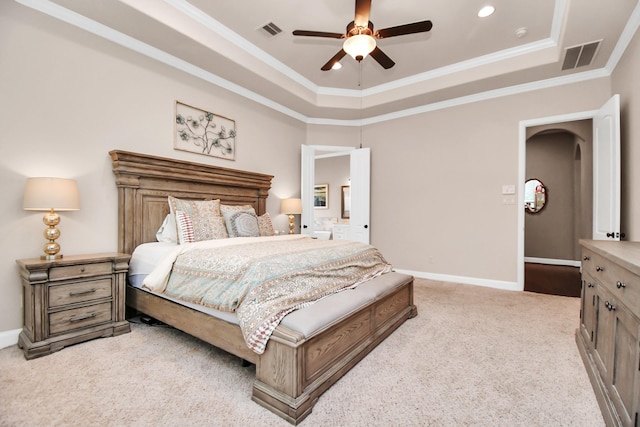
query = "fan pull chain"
{"x": 361, "y": 100}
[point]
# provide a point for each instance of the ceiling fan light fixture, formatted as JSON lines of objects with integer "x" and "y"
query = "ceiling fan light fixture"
{"x": 486, "y": 11}
{"x": 359, "y": 46}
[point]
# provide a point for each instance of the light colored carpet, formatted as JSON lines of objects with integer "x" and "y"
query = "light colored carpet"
{"x": 473, "y": 357}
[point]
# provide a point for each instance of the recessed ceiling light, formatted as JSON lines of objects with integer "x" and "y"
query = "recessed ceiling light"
{"x": 486, "y": 11}
{"x": 336, "y": 66}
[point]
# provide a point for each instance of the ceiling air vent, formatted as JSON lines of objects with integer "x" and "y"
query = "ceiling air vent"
{"x": 579, "y": 56}
{"x": 271, "y": 29}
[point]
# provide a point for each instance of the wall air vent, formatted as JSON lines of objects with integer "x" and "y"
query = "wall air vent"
{"x": 579, "y": 56}
{"x": 271, "y": 29}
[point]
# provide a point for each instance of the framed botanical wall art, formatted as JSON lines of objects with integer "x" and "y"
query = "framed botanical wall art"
{"x": 321, "y": 196}
{"x": 204, "y": 132}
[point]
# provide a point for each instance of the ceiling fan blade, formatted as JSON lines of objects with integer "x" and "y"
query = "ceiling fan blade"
{"x": 401, "y": 30}
{"x": 318, "y": 34}
{"x": 382, "y": 58}
{"x": 336, "y": 58}
{"x": 363, "y": 9}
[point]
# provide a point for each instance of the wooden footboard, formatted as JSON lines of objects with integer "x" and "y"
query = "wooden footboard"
{"x": 293, "y": 371}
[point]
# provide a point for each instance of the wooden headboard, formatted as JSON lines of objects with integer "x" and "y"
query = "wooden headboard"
{"x": 144, "y": 182}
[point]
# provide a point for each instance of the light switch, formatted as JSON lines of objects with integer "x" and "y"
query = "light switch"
{"x": 508, "y": 189}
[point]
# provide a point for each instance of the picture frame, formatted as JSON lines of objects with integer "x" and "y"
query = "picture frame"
{"x": 345, "y": 205}
{"x": 200, "y": 131}
{"x": 321, "y": 196}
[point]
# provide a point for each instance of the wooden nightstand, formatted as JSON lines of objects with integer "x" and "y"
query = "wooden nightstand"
{"x": 71, "y": 300}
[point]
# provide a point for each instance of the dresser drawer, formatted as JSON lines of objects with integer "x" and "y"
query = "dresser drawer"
{"x": 81, "y": 317}
{"x": 592, "y": 263}
{"x": 620, "y": 282}
{"x": 79, "y": 292}
{"x": 84, "y": 270}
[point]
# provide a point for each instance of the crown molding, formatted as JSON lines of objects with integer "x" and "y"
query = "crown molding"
{"x": 58, "y": 12}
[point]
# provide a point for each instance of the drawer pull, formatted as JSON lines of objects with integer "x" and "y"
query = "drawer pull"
{"x": 586, "y": 258}
{"x": 590, "y": 285}
{"x": 78, "y": 293}
{"x": 89, "y": 316}
{"x": 82, "y": 269}
{"x": 609, "y": 306}
{"x": 598, "y": 268}
{"x": 620, "y": 285}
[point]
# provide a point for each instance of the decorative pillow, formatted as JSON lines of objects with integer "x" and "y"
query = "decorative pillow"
{"x": 195, "y": 228}
{"x": 206, "y": 227}
{"x": 195, "y": 207}
{"x": 167, "y": 233}
{"x": 236, "y": 208}
{"x": 265, "y": 225}
{"x": 242, "y": 224}
{"x": 185, "y": 228}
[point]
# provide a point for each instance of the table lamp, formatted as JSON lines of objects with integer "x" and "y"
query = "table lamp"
{"x": 291, "y": 207}
{"x": 51, "y": 195}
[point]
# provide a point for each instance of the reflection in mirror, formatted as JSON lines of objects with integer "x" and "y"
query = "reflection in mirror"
{"x": 535, "y": 196}
{"x": 346, "y": 202}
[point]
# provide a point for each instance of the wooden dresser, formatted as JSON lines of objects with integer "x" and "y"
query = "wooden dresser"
{"x": 71, "y": 300}
{"x": 609, "y": 333}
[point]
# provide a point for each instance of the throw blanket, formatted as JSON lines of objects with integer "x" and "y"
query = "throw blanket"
{"x": 263, "y": 279}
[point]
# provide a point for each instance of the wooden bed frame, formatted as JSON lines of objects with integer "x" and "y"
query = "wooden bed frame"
{"x": 294, "y": 370}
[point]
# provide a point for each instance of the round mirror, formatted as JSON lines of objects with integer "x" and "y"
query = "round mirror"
{"x": 535, "y": 196}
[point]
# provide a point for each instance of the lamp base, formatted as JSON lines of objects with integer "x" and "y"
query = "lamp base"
{"x": 50, "y": 257}
{"x": 291, "y": 224}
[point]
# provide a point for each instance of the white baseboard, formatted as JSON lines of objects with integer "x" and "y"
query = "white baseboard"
{"x": 9, "y": 338}
{"x": 498, "y": 284}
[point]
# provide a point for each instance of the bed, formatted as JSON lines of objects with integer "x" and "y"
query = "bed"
{"x": 312, "y": 347}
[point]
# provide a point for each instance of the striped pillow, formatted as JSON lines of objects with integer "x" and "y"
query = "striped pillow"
{"x": 186, "y": 232}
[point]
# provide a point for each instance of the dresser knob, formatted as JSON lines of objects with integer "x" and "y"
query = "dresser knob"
{"x": 586, "y": 258}
{"x": 590, "y": 285}
{"x": 82, "y": 269}
{"x": 598, "y": 268}
{"x": 609, "y": 306}
{"x": 620, "y": 285}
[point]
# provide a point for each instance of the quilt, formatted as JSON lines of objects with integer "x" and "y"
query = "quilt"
{"x": 262, "y": 279}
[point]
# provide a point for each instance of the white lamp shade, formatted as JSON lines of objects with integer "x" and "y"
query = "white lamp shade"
{"x": 43, "y": 194}
{"x": 291, "y": 206}
{"x": 359, "y": 45}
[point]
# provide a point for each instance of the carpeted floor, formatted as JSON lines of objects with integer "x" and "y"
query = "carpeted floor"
{"x": 473, "y": 357}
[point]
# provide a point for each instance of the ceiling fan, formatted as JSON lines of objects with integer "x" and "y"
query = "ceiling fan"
{"x": 361, "y": 38}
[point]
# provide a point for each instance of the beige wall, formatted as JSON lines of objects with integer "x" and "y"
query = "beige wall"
{"x": 625, "y": 82}
{"x": 436, "y": 181}
{"x": 69, "y": 97}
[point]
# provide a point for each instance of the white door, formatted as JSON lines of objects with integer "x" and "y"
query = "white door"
{"x": 606, "y": 171}
{"x": 360, "y": 194}
{"x": 308, "y": 173}
{"x": 360, "y": 167}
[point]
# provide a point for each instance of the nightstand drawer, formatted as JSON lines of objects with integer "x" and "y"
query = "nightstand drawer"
{"x": 81, "y": 317}
{"x": 79, "y": 292}
{"x": 84, "y": 270}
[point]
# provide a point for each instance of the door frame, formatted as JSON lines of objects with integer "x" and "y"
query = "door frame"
{"x": 522, "y": 149}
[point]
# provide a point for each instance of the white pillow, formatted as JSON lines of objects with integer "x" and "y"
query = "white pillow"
{"x": 167, "y": 231}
